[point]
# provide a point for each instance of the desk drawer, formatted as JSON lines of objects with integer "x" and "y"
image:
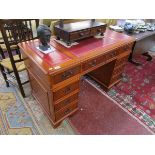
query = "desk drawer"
{"x": 124, "y": 48}
{"x": 65, "y": 91}
{"x": 65, "y": 102}
{"x": 66, "y": 74}
{"x": 89, "y": 64}
{"x": 80, "y": 34}
{"x": 65, "y": 111}
{"x": 93, "y": 62}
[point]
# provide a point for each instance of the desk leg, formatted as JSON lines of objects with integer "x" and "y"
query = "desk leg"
{"x": 130, "y": 59}
{"x": 149, "y": 57}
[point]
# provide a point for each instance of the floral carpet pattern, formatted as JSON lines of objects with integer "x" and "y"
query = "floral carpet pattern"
{"x": 14, "y": 117}
{"x": 20, "y": 116}
{"x": 136, "y": 91}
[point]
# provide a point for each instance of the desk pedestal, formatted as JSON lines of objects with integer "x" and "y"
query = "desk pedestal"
{"x": 110, "y": 73}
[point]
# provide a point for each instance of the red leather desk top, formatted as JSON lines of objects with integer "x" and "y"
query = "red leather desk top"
{"x": 54, "y": 58}
{"x": 88, "y": 46}
{"x": 63, "y": 56}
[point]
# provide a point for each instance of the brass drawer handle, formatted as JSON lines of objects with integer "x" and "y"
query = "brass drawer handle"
{"x": 93, "y": 63}
{"x": 67, "y": 90}
{"x": 98, "y": 30}
{"x": 66, "y": 102}
{"x": 113, "y": 54}
{"x": 81, "y": 34}
{"x": 66, "y": 75}
{"x": 126, "y": 48}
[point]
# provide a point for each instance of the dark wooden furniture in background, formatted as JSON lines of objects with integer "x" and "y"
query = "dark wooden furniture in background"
{"x": 79, "y": 30}
{"x": 15, "y": 31}
{"x": 55, "y": 77}
{"x": 143, "y": 42}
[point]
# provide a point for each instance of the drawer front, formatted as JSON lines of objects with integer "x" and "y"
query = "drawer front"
{"x": 124, "y": 48}
{"x": 89, "y": 64}
{"x": 65, "y": 91}
{"x": 97, "y": 30}
{"x": 93, "y": 62}
{"x": 63, "y": 112}
{"x": 66, "y": 74}
{"x": 80, "y": 34}
{"x": 65, "y": 102}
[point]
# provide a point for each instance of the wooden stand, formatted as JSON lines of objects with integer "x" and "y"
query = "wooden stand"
{"x": 79, "y": 30}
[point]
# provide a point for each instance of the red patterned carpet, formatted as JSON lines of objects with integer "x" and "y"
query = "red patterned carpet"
{"x": 99, "y": 114}
{"x": 138, "y": 84}
{"x": 135, "y": 93}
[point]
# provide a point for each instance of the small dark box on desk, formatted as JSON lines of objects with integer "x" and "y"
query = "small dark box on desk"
{"x": 79, "y": 30}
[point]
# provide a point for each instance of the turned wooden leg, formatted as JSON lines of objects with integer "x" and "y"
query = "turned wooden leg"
{"x": 68, "y": 43}
{"x": 102, "y": 34}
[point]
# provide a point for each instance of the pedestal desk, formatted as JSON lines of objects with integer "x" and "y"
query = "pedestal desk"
{"x": 55, "y": 77}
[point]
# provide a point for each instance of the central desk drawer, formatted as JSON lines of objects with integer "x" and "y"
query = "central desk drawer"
{"x": 93, "y": 62}
{"x": 66, "y": 74}
{"x": 65, "y": 102}
{"x": 65, "y": 91}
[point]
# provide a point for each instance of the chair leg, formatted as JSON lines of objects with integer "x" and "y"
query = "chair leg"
{"x": 22, "y": 90}
{"x": 17, "y": 78}
{"x": 19, "y": 83}
{"x": 4, "y": 75}
{"x": 17, "y": 52}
